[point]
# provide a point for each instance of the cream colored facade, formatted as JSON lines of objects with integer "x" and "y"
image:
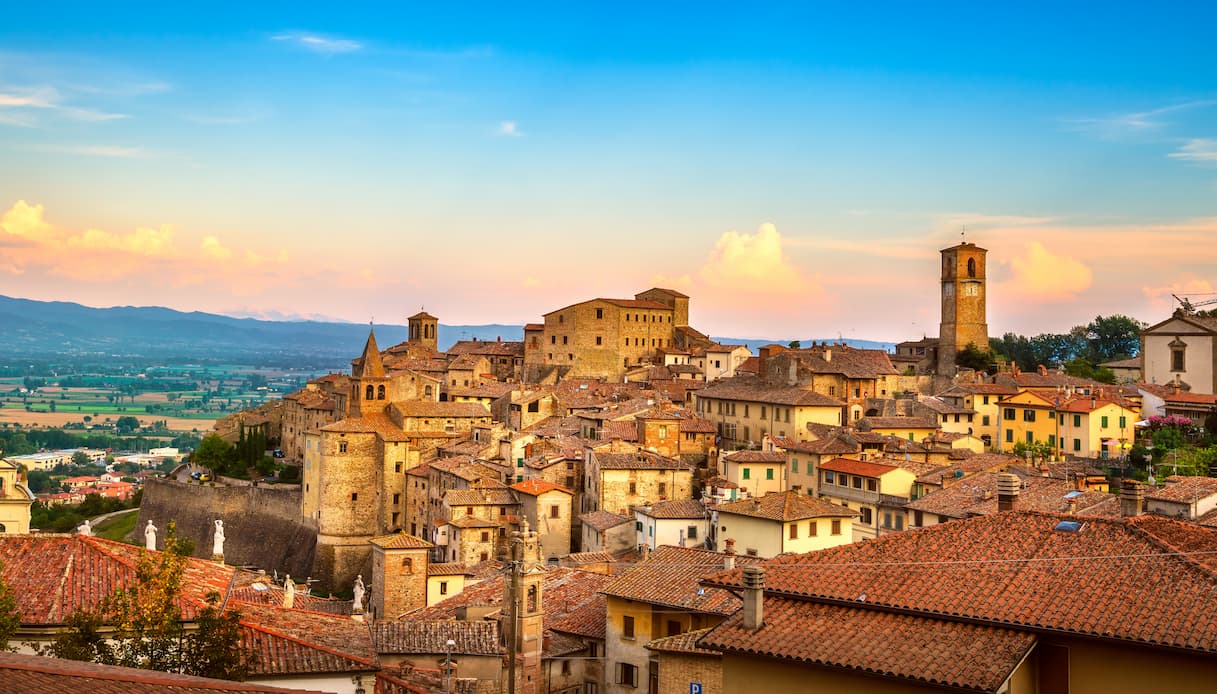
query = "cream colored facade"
{"x": 755, "y": 475}
{"x": 768, "y": 538}
{"x": 1083, "y": 433}
{"x": 1183, "y": 347}
{"x": 15, "y": 501}
{"x": 749, "y": 417}
{"x": 878, "y": 492}
{"x": 443, "y": 586}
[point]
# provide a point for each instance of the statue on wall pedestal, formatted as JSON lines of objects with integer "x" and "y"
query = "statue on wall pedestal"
{"x": 86, "y": 528}
{"x": 150, "y": 536}
{"x": 289, "y": 591}
{"x": 357, "y": 608}
{"x": 217, "y": 544}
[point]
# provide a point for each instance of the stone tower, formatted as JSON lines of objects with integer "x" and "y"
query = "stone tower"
{"x": 369, "y": 383}
{"x": 423, "y": 329}
{"x": 399, "y": 575}
{"x": 963, "y": 304}
{"x": 530, "y": 638}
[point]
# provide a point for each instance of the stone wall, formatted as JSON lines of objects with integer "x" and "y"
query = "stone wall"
{"x": 262, "y": 525}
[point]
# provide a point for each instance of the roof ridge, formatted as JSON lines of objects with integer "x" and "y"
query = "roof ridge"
{"x": 278, "y": 634}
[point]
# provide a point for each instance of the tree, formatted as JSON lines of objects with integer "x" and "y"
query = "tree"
{"x": 214, "y": 650}
{"x": 795, "y": 344}
{"x": 1084, "y": 368}
{"x": 975, "y": 358}
{"x": 127, "y": 424}
{"x": 1113, "y": 337}
{"x": 80, "y": 458}
{"x": 214, "y": 453}
{"x": 10, "y": 618}
{"x": 81, "y": 639}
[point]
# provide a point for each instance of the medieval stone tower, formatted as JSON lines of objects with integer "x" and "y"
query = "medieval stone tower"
{"x": 531, "y": 634}
{"x": 963, "y": 304}
{"x": 423, "y": 329}
{"x": 369, "y": 383}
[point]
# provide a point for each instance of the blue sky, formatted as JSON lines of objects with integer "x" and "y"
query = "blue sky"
{"x": 793, "y": 167}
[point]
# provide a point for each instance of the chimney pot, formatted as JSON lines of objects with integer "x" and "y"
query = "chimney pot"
{"x": 1008, "y": 485}
{"x": 1132, "y": 498}
{"x": 754, "y": 597}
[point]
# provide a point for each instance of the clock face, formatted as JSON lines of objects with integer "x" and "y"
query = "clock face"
{"x": 971, "y": 289}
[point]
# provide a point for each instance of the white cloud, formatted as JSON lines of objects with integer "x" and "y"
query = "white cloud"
{"x": 753, "y": 263}
{"x": 319, "y": 44}
{"x": 1134, "y": 123}
{"x": 1202, "y": 150}
{"x": 1044, "y": 275}
{"x": 510, "y": 128}
{"x": 96, "y": 151}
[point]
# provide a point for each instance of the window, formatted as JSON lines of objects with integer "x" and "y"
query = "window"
{"x": 1178, "y": 361}
{"x": 986, "y": 399}
{"x": 872, "y": 485}
{"x": 369, "y": 393}
{"x": 663, "y": 431}
{"x": 812, "y": 528}
{"x": 762, "y": 411}
{"x": 633, "y": 487}
{"x": 673, "y": 627}
{"x": 627, "y": 674}
{"x": 1123, "y": 422}
{"x": 663, "y": 489}
{"x": 692, "y": 532}
{"x": 794, "y": 465}
{"x": 554, "y": 511}
{"x": 380, "y": 392}
{"x": 354, "y": 496}
{"x": 485, "y": 536}
{"x": 1052, "y": 441}
{"x": 1077, "y": 444}
{"x": 443, "y": 587}
{"x": 1103, "y": 421}
{"x": 1077, "y": 420}
{"x": 1008, "y": 414}
{"x": 397, "y": 468}
{"x": 984, "y": 421}
{"x": 627, "y": 627}
{"x": 768, "y": 473}
{"x": 866, "y": 516}
{"x": 1009, "y": 436}
{"x": 971, "y": 267}
{"x": 1028, "y": 415}
{"x": 599, "y": 313}
{"x": 836, "y": 526}
{"x": 828, "y": 477}
{"x": 553, "y": 339}
{"x": 794, "y": 531}
{"x": 856, "y": 482}
{"x": 396, "y": 499}
{"x": 1030, "y": 437}
{"x": 599, "y": 340}
{"x": 747, "y": 473}
{"x": 342, "y": 446}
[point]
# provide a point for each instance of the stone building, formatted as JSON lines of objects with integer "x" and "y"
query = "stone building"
{"x": 618, "y": 481}
{"x": 963, "y": 304}
{"x": 602, "y": 338}
{"x": 399, "y": 575}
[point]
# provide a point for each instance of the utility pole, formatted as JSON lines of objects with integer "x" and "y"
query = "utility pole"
{"x": 513, "y": 645}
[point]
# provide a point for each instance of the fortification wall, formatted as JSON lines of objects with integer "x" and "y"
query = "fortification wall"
{"x": 262, "y": 525}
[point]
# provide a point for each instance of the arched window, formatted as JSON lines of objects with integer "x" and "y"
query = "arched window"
{"x": 380, "y": 392}
{"x": 369, "y": 393}
{"x": 971, "y": 267}
{"x": 532, "y": 598}
{"x": 3, "y": 529}
{"x": 427, "y": 391}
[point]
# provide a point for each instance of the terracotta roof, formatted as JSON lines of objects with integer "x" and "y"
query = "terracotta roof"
{"x": 870, "y": 423}
{"x": 581, "y": 558}
{"x": 33, "y": 674}
{"x": 995, "y": 569}
{"x": 749, "y": 389}
{"x": 977, "y": 463}
{"x": 671, "y": 577}
{"x": 832, "y": 445}
{"x": 1183, "y": 489}
{"x": 431, "y": 636}
{"x": 857, "y": 467}
{"x": 369, "y": 364}
{"x": 674, "y": 509}
{"x": 924, "y": 650}
{"x": 785, "y": 506}
{"x": 447, "y": 569}
{"x": 569, "y": 598}
{"x": 537, "y": 487}
{"x": 52, "y": 576}
{"x": 755, "y": 457}
{"x": 480, "y": 496}
{"x": 976, "y": 495}
{"x": 400, "y": 541}
{"x": 684, "y": 644}
{"x": 850, "y": 362}
{"x": 294, "y": 641}
{"x": 492, "y": 389}
{"x": 603, "y": 520}
{"x": 429, "y": 408}
{"x": 641, "y": 460}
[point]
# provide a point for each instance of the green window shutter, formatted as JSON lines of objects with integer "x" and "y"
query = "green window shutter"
{"x": 747, "y": 472}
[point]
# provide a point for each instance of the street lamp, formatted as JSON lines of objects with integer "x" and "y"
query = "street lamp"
{"x": 448, "y": 667}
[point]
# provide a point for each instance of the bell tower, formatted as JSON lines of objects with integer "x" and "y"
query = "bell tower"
{"x": 369, "y": 383}
{"x": 963, "y": 304}
{"x": 423, "y": 328}
{"x": 529, "y": 605}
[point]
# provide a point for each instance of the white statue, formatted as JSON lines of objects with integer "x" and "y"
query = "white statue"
{"x": 150, "y": 536}
{"x": 217, "y": 544}
{"x": 86, "y": 528}
{"x": 359, "y": 591}
{"x": 289, "y": 591}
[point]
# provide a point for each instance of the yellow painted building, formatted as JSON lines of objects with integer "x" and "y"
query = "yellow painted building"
{"x": 444, "y": 581}
{"x": 15, "y": 501}
{"x": 756, "y": 473}
{"x": 876, "y": 491}
{"x": 1094, "y": 428}
{"x": 744, "y": 411}
{"x": 1025, "y": 418}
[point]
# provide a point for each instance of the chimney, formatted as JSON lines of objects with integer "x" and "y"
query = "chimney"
{"x": 827, "y": 355}
{"x": 1073, "y": 506}
{"x": 754, "y": 597}
{"x": 1008, "y": 485}
{"x": 729, "y": 559}
{"x": 1132, "y": 498}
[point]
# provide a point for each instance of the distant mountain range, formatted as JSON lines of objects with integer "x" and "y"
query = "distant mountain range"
{"x": 42, "y": 329}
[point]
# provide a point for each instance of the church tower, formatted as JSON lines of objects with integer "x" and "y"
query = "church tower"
{"x": 530, "y": 637}
{"x": 369, "y": 383}
{"x": 963, "y": 304}
{"x": 423, "y": 329}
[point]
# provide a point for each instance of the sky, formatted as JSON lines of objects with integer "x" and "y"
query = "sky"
{"x": 793, "y": 167}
